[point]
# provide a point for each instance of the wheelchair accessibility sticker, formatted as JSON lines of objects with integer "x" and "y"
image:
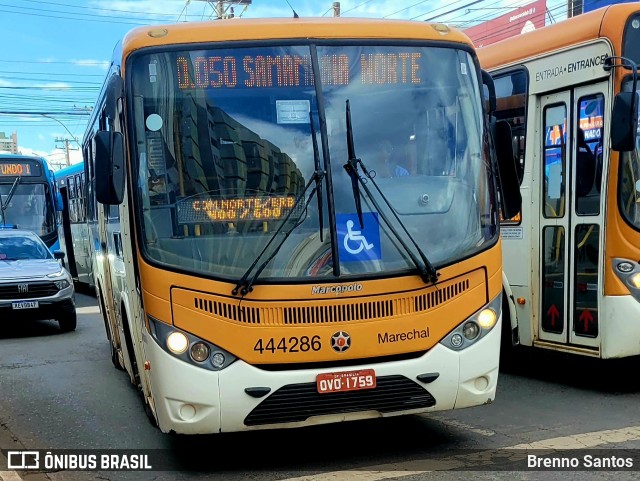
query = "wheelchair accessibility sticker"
{"x": 356, "y": 244}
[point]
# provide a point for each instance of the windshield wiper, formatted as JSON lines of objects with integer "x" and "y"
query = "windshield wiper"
{"x": 318, "y": 178}
{"x": 352, "y": 167}
{"x": 4, "y": 205}
{"x": 245, "y": 286}
{"x": 428, "y": 273}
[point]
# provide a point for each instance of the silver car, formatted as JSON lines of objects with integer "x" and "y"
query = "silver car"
{"x": 33, "y": 283}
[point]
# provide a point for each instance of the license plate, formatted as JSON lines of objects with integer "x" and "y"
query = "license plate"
{"x": 25, "y": 305}
{"x": 346, "y": 381}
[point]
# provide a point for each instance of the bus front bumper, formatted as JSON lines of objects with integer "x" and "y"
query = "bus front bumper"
{"x": 191, "y": 400}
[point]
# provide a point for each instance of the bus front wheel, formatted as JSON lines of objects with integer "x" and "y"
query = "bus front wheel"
{"x": 507, "y": 347}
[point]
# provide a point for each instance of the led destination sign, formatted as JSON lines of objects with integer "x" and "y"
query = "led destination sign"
{"x": 198, "y": 211}
{"x": 256, "y": 71}
{"x": 18, "y": 169}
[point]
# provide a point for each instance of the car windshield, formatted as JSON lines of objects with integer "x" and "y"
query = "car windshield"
{"x": 13, "y": 248}
{"x": 226, "y": 159}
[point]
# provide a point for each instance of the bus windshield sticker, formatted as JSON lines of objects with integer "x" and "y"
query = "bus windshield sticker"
{"x": 153, "y": 72}
{"x": 154, "y": 122}
{"x": 358, "y": 243}
{"x": 292, "y": 111}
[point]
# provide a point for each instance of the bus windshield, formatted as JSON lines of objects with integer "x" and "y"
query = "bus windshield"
{"x": 30, "y": 207}
{"x": 225, "y": 158}
{"x": 629, "y": 190}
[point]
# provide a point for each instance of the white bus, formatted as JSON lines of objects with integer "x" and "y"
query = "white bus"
{"x": 572, "y": 256}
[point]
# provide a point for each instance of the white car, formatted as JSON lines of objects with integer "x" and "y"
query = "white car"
{"x": 34, "y": 285}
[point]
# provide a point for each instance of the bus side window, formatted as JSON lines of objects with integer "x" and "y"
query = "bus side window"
{"x": 78, "y": 196}
{"x": 598, "y": 153}
{"x": 71, "y": 193}
{"x": 585, "y": 166}
{"x": 511, "y": 105}
{"x": 589, "y": 154}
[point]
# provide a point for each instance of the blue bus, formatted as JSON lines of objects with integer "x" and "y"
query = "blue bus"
{"x": 72, "y": 224}
{"x": 28, "y": 197}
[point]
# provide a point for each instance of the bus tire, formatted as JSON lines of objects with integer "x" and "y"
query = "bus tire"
{"x": 149, "y": 412}
{"x": 134, "y": 366}
{"x": 507, "y": 349}
{"x": 115, "y": 359}
{"x": 68, "y": 321}
{"x": 136, "y": 381}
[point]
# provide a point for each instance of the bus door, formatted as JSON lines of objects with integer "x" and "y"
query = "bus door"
{"x": 66, "y": 238}
{"x": 113, "y": 267}
{"x": 114, "y": 247}
{"x": 101, "y": 249}
{"x": 571, "y": 216}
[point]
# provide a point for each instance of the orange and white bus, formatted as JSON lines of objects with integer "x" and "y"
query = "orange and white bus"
{"x": 296, "y": 221}
{"x": 572, "y": 256}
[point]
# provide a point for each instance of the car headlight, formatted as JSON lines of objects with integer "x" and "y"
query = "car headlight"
{"x": 63, "y": 284}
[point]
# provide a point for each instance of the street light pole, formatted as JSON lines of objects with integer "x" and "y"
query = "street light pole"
{"x": 65, "y": 128}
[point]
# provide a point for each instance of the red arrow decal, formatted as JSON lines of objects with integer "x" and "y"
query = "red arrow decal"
{"x": 553, "y": 313}
{"x": 587, "y": 318}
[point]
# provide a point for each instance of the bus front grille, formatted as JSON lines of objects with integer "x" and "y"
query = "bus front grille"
{"x": 298, "y": 402}
{"x": 334, "y": 310}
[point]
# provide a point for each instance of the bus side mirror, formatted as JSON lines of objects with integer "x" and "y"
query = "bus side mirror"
{"x": 59, "y": 205}
{"x": 508, "y": 183}
{"x": 109, "y": 167}
{"x": 624, "y": 122}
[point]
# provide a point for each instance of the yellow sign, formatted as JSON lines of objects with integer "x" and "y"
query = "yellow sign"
{"x": 266, "y": 71}
{"x": 16, "y": 169}
{"x": 234, "y": 210}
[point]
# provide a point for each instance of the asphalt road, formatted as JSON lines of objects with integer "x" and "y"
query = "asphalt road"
{"x": 60, "y": 391}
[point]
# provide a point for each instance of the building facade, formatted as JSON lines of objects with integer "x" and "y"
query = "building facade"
{"x": 9, "y": 144}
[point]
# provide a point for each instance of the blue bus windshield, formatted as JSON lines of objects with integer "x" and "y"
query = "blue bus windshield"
{"x": 30, "y": 207}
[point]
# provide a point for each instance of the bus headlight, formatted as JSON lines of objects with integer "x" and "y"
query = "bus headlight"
{"x": 487, "y": 318}
{"x": 189, "y": 348}
{"x": 471, "y": 330}
{"x": 628, "y": 272}
{"x": 177, "y": 342}
{"x": 199, "y": 352}
{"x": 218, "y": 360}
{"x": 475, "y": 327}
